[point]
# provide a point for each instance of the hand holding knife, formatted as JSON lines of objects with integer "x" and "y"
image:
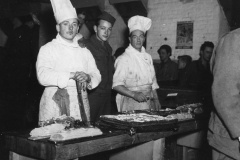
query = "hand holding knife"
{"x": 82, "y": 79}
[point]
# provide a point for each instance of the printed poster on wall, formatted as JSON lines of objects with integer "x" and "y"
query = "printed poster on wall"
{"x": 184, "y": 35}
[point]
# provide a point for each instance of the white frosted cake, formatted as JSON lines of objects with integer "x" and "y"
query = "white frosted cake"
{"x": 75, "y": 133}
{"x": 47, "y": 130}
{"x": 63, "y": 128}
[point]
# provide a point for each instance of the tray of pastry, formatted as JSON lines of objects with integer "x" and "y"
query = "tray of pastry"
{"x": 138, "y": 122}
{"x": 161, "y": 112}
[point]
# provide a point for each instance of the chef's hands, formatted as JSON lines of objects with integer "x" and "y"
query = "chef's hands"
{"x": 140, "y": 97}
{"x": 80, "y": 77}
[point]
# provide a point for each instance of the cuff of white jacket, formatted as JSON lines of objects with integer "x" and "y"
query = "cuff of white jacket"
{"x": 117, "y": 84}
{"x": 63, "y": 79}
{"x": 93, "y": 83}
{"x": 155, "y": 86}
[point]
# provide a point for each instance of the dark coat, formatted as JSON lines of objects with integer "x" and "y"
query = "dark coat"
{"x": 224, "y": 123}
{"x": 199, "y": 77}
{"x": 102, "y": 53}
{"x": 196, "y": 76}
{"x": 183, "y": 75}
{"x": 100, "y": 97}
{"x": 18, "y": 61}
{"x": 167, "y": 73}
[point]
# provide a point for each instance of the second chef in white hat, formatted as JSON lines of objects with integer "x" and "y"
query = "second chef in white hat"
{"x": 134, "y": 78}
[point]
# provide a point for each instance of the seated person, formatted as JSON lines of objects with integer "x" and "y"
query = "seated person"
{"x": 199, "y": 74}
{"x": 183, "y": 63}
{"x": 167, "y": 71}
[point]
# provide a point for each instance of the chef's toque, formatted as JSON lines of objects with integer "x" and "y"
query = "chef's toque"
{"x": 139, "y": 23}
{"x": 63, "y": 10}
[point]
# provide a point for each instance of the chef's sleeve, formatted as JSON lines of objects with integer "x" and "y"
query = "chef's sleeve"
{"x": 121, "y": 70}
{"x": 92, "y": 71}
{"x": 46, "y": 74}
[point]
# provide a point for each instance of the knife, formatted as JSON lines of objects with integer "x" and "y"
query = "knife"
{"x": 83, "y": 103}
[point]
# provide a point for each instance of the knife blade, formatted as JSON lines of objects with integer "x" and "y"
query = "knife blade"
{"x": 83, "y": 103}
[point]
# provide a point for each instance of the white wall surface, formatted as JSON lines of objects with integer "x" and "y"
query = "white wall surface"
{"x": 206, "y": 15}
{"x": 116, "y": 39}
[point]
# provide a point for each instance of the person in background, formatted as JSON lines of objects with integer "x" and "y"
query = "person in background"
{"x": 167, "y": 70}
{"x": 134, "y": 78}
{"x": 61, "y": 63}
{"x": 17, "y": 69}
{"x": 183, "y": 63}
{"x": 199, "y": 74}
{"x": 224, "y": 124}
{"x": 100, "y": 97}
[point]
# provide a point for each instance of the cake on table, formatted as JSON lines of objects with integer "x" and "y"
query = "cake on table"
{"x": 63, "y": 128}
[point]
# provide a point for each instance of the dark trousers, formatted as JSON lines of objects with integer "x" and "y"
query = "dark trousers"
{"x": 100, "y": 104}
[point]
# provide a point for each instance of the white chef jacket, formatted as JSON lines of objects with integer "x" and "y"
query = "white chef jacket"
{"x": 135, "y": 71}
{"x": 55, "y": 61}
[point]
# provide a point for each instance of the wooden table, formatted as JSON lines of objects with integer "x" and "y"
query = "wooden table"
{"x": 45, "y": 149}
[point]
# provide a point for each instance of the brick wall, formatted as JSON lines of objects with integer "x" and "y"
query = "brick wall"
{"x": 209, "y": 24}
{"x": 207, "y": 16}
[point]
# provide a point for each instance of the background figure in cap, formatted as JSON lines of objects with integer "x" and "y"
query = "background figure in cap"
{"x": 199, "y": 74}
{"x": 61, "y": 63}
{"x": 167, "y": 70}
{"x": 100, "y": 97}
{"x": 134, "y": 77}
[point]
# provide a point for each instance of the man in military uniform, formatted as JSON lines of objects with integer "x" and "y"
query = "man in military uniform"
{"x": 100, "y": 97}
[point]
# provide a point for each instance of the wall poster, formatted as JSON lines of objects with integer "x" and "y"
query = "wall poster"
{"x": 184, "y": 35}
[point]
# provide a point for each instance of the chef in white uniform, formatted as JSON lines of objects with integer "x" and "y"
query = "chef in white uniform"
{"x": 134, "y": 77}
{"x": 61, "y": 63}
{"x": 135, "y": 80}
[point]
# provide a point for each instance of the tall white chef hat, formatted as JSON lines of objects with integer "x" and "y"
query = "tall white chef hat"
{"x": 139, "y": 23}
{"x": 63, "y": 10}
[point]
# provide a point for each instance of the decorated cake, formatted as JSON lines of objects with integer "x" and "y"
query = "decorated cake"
{"x": 75, "y": 133}
{"x": 47, "y": 130}
{"x": 63, "y": 128}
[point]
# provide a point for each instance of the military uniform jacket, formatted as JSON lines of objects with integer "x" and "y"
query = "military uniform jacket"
{"x": 102, "y": 53}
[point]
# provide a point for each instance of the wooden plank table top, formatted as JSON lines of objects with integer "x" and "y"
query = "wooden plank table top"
{"x": 44, "y": 149}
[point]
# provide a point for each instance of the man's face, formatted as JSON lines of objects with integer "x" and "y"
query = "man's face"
{"x": 206, "y": 54}
{"x": 103, "y": 30}
{"x": 68, "y": 28}
{"x": 137, "y": 39}
{"x": 164, "y": 55}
